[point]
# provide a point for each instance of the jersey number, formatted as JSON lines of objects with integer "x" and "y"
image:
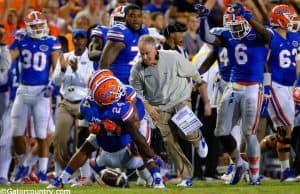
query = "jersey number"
{"x": 285, "y": 58}
{"x": 240, "y": 54}
{"x": 37, "y": 60}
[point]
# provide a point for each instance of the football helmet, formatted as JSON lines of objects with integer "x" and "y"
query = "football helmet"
{"x": 284, "y": 16}
{"x": 97, "y": 76}
{"x": 36, "y": 25}
{"x": 237, "y": 25}
{"x": 117, "y": 16}
{"x": 108, "y": 91}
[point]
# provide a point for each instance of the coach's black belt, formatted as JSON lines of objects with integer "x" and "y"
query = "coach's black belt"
{"x": 73, "y": 102}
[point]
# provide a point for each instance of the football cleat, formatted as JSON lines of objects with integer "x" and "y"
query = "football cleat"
{"x": 4, "y": 181}
{"x": 227, "y": 176}
{"x": 185, "y": 183}
{"x": 58, "y": 184}
{"x": 254, "y": 182}
{"x": 158, "y": 182}
{"x": 43, "y": 178}
{"x": 238, "y": 174}
{"x": 21, "y": 172}
{"x": 203, "y": 148}
{"x": 288, "y": 176}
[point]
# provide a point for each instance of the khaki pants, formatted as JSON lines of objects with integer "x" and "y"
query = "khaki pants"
{"x": 64, "y": 121}
{"x": 170, "y": 134}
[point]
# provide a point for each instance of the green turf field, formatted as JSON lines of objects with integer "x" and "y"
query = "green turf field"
{"x": 199, "y": 187}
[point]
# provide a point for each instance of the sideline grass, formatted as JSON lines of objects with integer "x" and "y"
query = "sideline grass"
{"x": 199, "y": 187}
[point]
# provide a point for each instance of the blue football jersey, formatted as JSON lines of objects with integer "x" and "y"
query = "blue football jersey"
{"x": 247, "y": 57}
{"x": 282, "y": 60}
{"x": 117, "y": 112}
{"x": 35, "y": 57}
{"x": 122, "y": 65}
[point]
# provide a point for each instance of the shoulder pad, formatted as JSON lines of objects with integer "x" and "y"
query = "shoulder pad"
{"x": 218, "y": 30}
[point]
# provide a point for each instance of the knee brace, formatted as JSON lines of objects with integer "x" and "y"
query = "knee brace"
{"x": 284, "y": 142}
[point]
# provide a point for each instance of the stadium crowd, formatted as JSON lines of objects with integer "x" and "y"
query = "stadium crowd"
{"x": 158, "y": 90}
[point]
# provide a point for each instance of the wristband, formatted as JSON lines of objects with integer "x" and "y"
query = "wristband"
{"x": 267, "y": 79}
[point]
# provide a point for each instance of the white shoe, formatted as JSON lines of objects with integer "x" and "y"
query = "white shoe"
{"x": 185, "y": 183}
{"x": 140, "y": 182}
{"x": 83, "y": 181}
{"x": 203, "y": 148}
{"x": 227, "y": 176}
{"x": 158, "y": 182}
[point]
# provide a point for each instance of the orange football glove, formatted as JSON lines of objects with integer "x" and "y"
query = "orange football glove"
{"x": 110, "y": 126}
{"x": 296, "y": 95}
{"x": 94, "y": 128}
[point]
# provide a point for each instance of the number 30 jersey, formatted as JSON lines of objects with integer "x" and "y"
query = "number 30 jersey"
{"x": 282, "y": 60}
{"x": 35, "y": 57}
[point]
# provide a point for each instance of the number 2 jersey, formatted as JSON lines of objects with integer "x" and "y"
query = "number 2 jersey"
{"x": 35, "y": 57}
{"x": 282, "y": 60}
{"x": 118, "y": 112}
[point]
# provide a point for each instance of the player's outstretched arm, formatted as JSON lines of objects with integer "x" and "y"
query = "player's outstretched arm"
{"x": 205, "y": 35}
{"x": 110, "y": 53}
{"x": 95, "y": 48}
{"x": 132, "y": 127}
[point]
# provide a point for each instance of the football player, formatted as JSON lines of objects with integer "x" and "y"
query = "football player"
{"x": 284, "y": 46}
{"x": 5, "y": 135}
{"x": 114, "y": 125}
{"x": 244, "y": 38}
{"x": 121, "y": 46}
{"x": 38, "y": 53}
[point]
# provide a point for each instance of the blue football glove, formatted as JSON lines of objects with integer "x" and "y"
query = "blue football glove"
{"x": 240, "y": 11}
{"x": 202, "y": 11}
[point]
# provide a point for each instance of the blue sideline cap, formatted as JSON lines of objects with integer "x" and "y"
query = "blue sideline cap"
{"x": 77, "y": 32}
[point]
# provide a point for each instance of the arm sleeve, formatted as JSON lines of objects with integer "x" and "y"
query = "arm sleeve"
{"x": 136, "y": 82}
{"x": 186, "y": 68}
{"x": 205, "y": 34}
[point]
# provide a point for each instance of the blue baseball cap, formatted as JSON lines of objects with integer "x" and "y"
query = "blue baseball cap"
{"x": 79, "y": 32}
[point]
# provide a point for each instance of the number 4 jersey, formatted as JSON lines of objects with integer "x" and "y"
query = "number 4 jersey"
{"x": 282, "y": 60}
{"x": 35, "y": 57}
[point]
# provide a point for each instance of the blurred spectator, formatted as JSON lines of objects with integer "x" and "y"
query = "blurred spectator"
{"x": 53, "y": 19}
{"x": 179, "y": 11}
{"x": 192, "y": 41}
{"x": 174, "y": 38}
{"x": 147, "y": 20}
{"x": 158, "y": 21}
{"x": 95, "y": 10}
{"x": 157, "y": 6}
{"x": 82, "y": 22}
{"x": 53, "y": 30}
{"x": 10, "y": 25}
{"x": 69, "y": 10}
